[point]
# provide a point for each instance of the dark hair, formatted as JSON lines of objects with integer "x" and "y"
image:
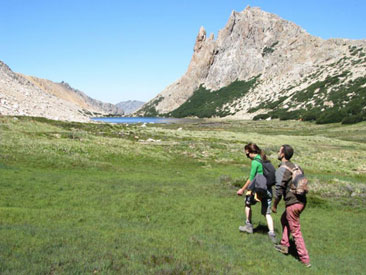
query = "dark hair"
{"x": 254, "y": 149}
{"x": 288, "y": 151}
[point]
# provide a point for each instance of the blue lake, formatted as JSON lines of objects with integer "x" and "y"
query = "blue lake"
{"x": 132, "y": 120}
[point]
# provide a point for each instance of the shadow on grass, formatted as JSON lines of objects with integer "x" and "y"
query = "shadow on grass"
{"x": 262, "y": 229}
{"x": 292, "y": 250}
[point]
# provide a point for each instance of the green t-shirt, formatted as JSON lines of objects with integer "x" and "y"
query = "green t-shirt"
{"x": 257, "y": 167}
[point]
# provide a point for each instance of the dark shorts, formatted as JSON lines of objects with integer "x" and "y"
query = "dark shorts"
{"x": 266, "y": 203}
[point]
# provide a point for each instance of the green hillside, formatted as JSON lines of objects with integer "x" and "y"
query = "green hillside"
{"x": 206, "y": 103}
{"x": 348, "y": 102}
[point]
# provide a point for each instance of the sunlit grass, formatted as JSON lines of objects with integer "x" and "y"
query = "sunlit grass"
{"x": 85, "y": 198}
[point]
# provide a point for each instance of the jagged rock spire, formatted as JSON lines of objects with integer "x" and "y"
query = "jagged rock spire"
{"x": 201, "y": 38}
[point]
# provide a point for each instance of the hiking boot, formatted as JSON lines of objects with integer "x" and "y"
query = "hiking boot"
{"x": 272, "y": 237}
{"x": 281, "y": 248}
{"x": 248, "y": 228}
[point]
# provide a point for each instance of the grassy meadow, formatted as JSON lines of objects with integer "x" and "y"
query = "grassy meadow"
{"x": 115, "y": 199}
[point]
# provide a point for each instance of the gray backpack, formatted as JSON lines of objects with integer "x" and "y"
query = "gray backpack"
{"x": 259, "y": 185}
{"x": 299, "y": 185}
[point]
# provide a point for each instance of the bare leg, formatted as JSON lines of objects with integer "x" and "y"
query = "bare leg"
{"x": 270, "y": 223}
{"x": 248, "y": 213}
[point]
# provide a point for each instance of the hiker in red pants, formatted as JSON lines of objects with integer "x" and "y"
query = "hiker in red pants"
{"x": 295, "y": 203}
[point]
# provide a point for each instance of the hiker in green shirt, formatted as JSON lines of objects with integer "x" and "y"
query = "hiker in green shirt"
{"x": 257, "y": 156}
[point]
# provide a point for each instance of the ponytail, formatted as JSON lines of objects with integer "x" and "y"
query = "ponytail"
{"x": 254, "y": 149}
{"x": 263, "y": 155}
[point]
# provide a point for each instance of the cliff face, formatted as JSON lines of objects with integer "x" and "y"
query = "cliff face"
{"x": 282, "y": 57}
{"x": 31, "y": 96}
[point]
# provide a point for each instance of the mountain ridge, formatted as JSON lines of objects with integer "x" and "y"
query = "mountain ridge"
{"x": 32, "y": 96}
{"x": 255, "y": 42}
{"x": 130, "y": 106}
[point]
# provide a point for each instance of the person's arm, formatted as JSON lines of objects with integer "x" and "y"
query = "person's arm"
{"x": 245, "y": 186}
{"x": 280, "y": 188}
{"x": 275, "y": 203}
{"x": 253, "y": 172}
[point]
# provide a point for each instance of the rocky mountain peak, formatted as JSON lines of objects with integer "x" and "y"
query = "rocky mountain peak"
{"x": 201, "y": 38}
{"x": 4, "y": 67}
{"x": 254, "y": 44}
{"x": 66, "y": 85}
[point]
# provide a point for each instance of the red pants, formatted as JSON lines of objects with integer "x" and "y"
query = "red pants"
{"x": 290, "y": 220}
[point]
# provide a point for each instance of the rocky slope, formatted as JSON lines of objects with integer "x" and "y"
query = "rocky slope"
{"x": 31, "y": 96}
{"x": 64, "y": 91}
{"x": 130, "y": 106}
{"x": 262, "y": 66}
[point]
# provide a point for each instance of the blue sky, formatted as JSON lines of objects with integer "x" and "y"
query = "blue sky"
{"x": 131, "y": 50}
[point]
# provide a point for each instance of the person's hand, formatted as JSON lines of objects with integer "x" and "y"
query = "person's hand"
{"x": 240, "y": 192}
{"x": 274, "y": 209}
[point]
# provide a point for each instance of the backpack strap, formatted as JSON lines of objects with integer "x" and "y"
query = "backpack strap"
{"x": 288, "y": 168}
{"x": 260, "y": 161}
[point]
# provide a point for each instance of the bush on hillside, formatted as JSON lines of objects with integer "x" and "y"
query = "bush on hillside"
{"x": 290, "y": 115}
{"x": 332, "y": 115}
{"x": 311, "y": 115}
{"x": 206, "y": 103}
{"x": 261, "y": 117}
{"x": 353, "y": 119}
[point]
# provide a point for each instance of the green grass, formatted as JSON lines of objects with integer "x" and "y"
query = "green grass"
{"x": 98, "y": 198}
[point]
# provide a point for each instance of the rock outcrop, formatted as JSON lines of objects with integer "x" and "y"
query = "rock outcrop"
{"x": 282, "y": 56}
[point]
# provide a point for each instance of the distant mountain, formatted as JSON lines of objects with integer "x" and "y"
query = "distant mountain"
{"x": 65, "y": 91}
{"x": 32, "y": 96}
{"x": 262, "y": 66}
{"x": 130, "y": 106}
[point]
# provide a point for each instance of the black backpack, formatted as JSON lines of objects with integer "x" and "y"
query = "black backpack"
{"x": 269, "y": 172}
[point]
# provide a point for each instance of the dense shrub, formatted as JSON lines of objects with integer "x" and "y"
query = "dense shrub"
{"x": 353, "y": 119}
{"x": 268, "y": 105}
{"x": 311, "y": 114}
{"x": 308, "y": 93}
{"x": 261, "y": 117}
{"x": 149, "y": 109}
{"x": 206, "y": 103}
{"x": 348, "y": 102}
{"x": 331, "y": 116}
{"x": 290, "y": 115}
